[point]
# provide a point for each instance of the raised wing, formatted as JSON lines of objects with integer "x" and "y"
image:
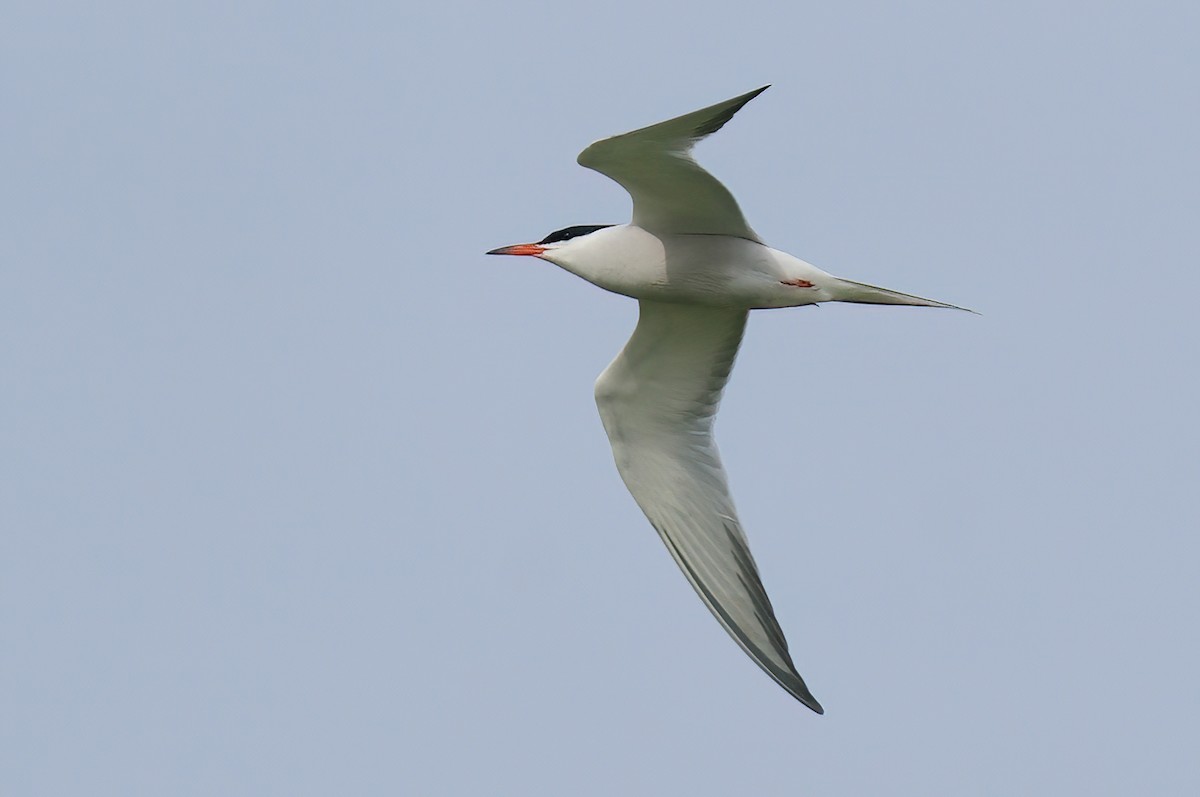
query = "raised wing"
{"x": 658, "y": 400}
{"x": 671, "y": 193}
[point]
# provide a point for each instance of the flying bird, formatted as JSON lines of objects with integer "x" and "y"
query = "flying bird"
{"x": 697, "y": 269}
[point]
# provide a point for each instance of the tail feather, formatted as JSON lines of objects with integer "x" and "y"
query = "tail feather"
{"x": 861, "y": 293}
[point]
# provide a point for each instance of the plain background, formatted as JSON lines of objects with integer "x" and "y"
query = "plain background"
{"x": 302, "y": 494}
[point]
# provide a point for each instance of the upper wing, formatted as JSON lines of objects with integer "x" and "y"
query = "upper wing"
{"x": 671, "y": 193}
{"x": 658, "y": 400}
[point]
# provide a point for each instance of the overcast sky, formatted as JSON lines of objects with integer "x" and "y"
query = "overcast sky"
{"x": 301, "y": 494}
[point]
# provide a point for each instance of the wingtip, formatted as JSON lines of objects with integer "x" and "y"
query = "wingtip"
{"x": 792, "y": 683}
{"x": 805, "y": 697}
{"x": 749, "y": 95}
{"x": 722, "y": 112}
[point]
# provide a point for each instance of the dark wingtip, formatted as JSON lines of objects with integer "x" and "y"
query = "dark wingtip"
{"x": 803, "y": 695}
{"x": 733, "y": 106}
{"x": 745, "y": 98}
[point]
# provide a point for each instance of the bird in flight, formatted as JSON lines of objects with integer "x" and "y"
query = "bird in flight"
{"x": 697, "y": 269}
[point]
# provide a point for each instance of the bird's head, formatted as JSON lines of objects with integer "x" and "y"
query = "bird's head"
{"x": 555, "y": 245}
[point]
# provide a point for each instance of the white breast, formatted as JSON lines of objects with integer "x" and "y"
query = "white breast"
{"x": 693, "y": 269}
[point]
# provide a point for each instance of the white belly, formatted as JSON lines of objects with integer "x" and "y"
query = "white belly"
{"x": 693, "y": 269}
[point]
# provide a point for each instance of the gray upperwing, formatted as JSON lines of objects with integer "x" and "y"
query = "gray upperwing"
{"x": 671, "y": 192}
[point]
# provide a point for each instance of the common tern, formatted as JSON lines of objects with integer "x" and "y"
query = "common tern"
{"x": 696, "y": 268}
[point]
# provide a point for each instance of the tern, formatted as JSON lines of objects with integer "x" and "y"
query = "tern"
{"x": 697, "y": 269}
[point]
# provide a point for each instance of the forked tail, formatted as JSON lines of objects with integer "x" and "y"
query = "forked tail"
{"x": 861, "y": 293}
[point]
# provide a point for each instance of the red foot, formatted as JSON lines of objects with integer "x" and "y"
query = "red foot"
{"x": 797, "y": 283}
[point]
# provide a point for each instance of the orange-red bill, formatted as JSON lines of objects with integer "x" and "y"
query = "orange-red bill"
{"x": 519, "y": 249}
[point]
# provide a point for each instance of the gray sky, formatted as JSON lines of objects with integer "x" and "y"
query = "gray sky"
{"x": 302, "y": 494}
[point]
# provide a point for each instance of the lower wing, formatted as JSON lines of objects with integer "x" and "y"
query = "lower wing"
{"x": 658, "y": 400}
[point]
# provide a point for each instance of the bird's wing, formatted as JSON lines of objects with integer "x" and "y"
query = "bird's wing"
{"x": 658, "y": 400}
{"x": 671, "y": 193}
